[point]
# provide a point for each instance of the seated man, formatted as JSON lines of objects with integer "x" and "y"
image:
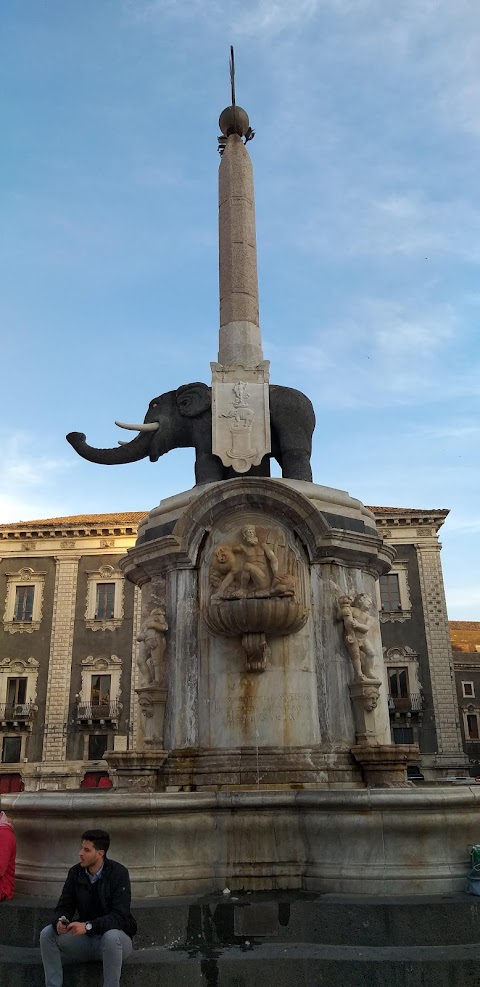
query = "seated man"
{"x": 8, "y": 848}
{"x": 98, "y": 889}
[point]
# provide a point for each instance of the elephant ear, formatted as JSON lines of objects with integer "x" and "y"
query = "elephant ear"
{"x": 193, "y": 399}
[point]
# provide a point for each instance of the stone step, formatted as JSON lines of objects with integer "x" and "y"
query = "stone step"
{"x": 281, "y": 965}
{"x": 278, "y": 917}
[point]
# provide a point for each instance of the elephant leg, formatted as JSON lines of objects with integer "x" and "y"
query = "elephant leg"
{"x": 208, "y": 468}
{"x": 295, "y": 465}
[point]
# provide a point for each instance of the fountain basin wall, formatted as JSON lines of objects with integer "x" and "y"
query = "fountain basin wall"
{"x": 384, "y": 841}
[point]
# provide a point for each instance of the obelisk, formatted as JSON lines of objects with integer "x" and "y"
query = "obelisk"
{"x": 240, "y": 396}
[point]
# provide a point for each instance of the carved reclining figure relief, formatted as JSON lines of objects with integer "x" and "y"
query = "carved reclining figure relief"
{"x": 248, "y": 568}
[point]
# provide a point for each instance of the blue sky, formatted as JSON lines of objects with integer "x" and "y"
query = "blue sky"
{"x": 366, "y": 161}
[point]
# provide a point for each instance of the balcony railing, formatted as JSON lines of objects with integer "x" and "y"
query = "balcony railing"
{"x": 98, "y": 712}
{"x": 406, "y": 704}
{"x": 17, "y": 712}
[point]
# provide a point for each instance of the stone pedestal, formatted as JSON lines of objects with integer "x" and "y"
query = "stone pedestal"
{"x": 365, "y": 696}
{"x": 263, "y": 583}
{"x": 385, "y": 766}
{"x": 152, "y": 701}
{"x": 136, "y": 770}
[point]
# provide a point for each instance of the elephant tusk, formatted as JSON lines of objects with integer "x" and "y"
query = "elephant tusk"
{"x": 148, "y": 427}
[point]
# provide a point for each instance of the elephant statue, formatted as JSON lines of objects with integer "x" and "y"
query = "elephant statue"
{"x": 183, "y": 418}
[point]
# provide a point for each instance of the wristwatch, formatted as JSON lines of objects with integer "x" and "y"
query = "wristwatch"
{"x": 88, "y": 926}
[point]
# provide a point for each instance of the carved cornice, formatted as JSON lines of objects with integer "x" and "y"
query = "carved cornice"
{"x": 353, "y": 545}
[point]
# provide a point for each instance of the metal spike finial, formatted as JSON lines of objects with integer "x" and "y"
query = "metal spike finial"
{"x": 234, "y": 119}
{"x": 232, "y": 73}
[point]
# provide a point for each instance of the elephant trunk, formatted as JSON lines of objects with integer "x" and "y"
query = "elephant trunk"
{"x": 131, "y": 452}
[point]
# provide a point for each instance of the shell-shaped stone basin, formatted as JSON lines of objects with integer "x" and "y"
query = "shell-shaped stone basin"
{"x": 230, "y": 618}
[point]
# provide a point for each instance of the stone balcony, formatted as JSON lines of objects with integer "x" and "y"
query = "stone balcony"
{"x": 17, "y": 714}
{"x": 406, "y": 704}
{"x": 89, "y": 713}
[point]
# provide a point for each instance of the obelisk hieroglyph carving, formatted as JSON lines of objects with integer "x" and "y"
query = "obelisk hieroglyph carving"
{"x": 240, "y": 396}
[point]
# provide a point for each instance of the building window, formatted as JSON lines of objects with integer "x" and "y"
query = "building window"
{"x": 402, "y": 735}
{"x": 105, "y": 605}
{"x": 24, "y": 596}
{"x": 11, "y": 750}
{"x": 398, "y": 683}
{"x": 468, "y": 690}
{"x": 16, "y": 691}
{"x": 390, "y": 592}
{"x": 99, "y": 698}
{"x": 471, "y": 726}
{"x": 24, "y": 601}
{"x": 100, "y": 690}
{"x": 104, "y": 609}
{"x": 393, "y": 594}
{"x": 97, "y": 745}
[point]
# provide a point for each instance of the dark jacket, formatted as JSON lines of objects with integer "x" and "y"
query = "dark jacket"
{"x": 112, "y": 894}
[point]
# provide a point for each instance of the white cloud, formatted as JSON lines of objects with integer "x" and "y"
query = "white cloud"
{"x": 29, "y": 480}
{"x": 463, "y": 602}
{"x": 384, "y": 353}
{"x": 272, "y": 17}
{"x": 465, "y": 525}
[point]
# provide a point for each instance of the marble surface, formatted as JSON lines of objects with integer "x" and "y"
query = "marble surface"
{"x": 388, "y": 841}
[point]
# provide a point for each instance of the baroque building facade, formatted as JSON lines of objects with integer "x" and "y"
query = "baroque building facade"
{"x": 69, "y": 648}
{"x": 465, "y": 637}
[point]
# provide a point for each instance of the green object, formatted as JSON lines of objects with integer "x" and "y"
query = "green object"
{"x": 475, "y": 857}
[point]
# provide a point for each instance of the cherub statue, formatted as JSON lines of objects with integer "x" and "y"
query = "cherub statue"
{"x": 357, "y": 619}
{"x": 151, "y": 659}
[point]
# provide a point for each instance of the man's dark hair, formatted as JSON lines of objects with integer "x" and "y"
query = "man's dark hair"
{"x": 99, "y": 838}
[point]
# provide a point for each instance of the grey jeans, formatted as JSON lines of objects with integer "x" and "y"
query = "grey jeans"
{"x": 112, "y": 948}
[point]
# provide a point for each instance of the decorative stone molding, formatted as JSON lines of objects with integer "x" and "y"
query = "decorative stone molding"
{"x": 152, "y": 702}
{"x": 24, "y": 577}
{"x": 253, "y": 578}
{"x": 105, "y": 574}
{"x": 470, "y": 710}
{"x": 24, "y": 668}
{"x": 385, "y": 766}
{"x": 365, "y": 696}
{"x": 407, "y": 658}
{"x": 136, "y": 770}
{"x": 19, "y": 667}
{"x": 103, "y": 665}
{"x": 240, "y": 415}
{"x": 324, "y": 543}
{"x": 60, "y": 658}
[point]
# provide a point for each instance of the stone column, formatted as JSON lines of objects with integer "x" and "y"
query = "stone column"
{"x": 134, "y": 711}
{"x": 240, "y": 394}
{"x": 439, "y": 653}
{"x": 239, "y": 340}
{"x": 60, "y": 660}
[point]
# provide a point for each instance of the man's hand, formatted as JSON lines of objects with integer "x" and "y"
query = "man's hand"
{"x": 77, "y": 928}
{"x": 61, "y": 928}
